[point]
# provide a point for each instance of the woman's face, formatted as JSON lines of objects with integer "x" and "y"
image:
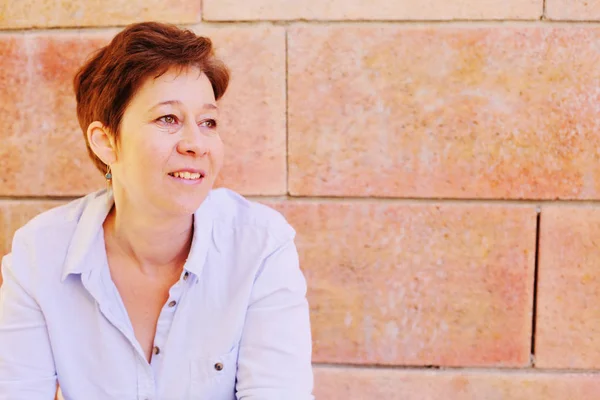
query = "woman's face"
{"x": 169, "y": 151}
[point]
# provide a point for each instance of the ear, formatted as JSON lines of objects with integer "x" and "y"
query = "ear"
{"x": 102, "y": 142}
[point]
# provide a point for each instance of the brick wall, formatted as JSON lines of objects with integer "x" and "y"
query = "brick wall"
{"x": 439, "y": 159}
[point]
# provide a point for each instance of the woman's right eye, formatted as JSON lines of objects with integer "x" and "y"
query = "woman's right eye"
{"x": 168, "y": 119}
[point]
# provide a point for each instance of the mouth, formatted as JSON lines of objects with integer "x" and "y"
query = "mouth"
{"x": 188, "y": 176}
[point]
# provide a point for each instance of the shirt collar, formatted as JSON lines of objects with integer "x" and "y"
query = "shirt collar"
{"x": 96, "y": 208}
{"x": 202, "y": 237}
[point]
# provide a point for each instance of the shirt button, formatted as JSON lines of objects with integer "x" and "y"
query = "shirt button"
{"x": 172, "y": 303}
{"x": 156, "y": 350}
{"x": 185, "y": 276}
{"x": 219, "y": 366}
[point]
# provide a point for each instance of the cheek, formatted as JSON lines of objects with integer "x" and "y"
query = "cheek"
{"x": 145, "y": 157}
{"x": 218, "y": 153}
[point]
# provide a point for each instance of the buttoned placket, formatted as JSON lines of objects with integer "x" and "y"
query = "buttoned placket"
{"x": 165, "y": 321}
{"x": 96, "y": 282}
{"x": 99, "y": 284}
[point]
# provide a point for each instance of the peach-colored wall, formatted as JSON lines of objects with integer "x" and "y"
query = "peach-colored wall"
{"x": 438, "y": 158}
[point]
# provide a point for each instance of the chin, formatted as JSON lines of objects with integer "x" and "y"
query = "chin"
{"x": 186, "y": 205}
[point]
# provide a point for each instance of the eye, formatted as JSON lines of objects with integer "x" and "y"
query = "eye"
{"x": 168, "y": 119}
{"x": 209, "y": 123}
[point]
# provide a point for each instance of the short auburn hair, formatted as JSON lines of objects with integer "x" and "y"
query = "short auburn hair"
{"x": 106, "y": 83}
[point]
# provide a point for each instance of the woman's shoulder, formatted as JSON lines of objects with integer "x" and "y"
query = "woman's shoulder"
{"x": 235, "y": 210}
{"x": 40, "y": 247}
{"x": 54, "y": 225}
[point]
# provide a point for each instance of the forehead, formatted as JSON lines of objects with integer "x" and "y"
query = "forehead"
{"x": 189, "y": 86}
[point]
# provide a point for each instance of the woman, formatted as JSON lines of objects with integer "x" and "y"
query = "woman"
{"x": 158, "y": 287}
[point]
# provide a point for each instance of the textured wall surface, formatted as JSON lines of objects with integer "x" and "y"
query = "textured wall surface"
{"x": 440, "y": 161}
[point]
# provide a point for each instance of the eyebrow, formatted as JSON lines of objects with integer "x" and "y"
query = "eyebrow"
{"x": 205, "y": 106}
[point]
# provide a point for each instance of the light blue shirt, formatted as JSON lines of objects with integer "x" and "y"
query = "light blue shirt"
{"x": 236, "y": 325}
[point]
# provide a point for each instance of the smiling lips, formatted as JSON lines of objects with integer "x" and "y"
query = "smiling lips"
{"x": 190, "y": 175}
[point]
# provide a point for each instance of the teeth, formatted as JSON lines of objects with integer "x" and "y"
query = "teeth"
{"x": 187, "y": 175}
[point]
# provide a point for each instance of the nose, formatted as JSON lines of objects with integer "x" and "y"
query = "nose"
{"x": 192, "y": 141}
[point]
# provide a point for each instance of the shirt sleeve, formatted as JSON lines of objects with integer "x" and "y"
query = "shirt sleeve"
{"x": 27, "y": 369}
{"x": 275, "y": 349}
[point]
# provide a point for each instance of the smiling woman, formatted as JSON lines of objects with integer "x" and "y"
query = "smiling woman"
{"x": 158, "y": 287}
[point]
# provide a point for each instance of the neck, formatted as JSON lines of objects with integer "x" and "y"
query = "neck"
{"x": 154, "y": 243}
